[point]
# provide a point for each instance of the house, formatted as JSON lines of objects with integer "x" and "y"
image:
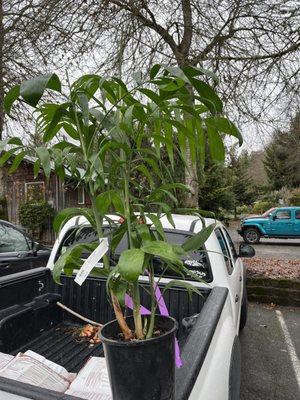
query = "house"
{"x": 21, "y": 187}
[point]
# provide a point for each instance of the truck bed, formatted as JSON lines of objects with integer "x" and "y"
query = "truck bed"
{"x": 61, "y": 346}
{"x": 31, "y": 319}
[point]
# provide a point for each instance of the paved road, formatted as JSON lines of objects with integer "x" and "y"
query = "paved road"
{"x": 268, "y": 372}
{"x": 272, "y": 248}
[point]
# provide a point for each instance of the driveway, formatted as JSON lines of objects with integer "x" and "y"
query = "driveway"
{"x": 270, "y": 354}
{"x": 287, "y": 249}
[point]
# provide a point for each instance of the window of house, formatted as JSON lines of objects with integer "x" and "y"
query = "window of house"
{"x": 35, "y": 192}
{"x": 284, "y": 214}
{"x": 80, "y": 195}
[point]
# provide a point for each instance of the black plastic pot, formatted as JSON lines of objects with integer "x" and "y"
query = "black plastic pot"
{"x": 141, "y": 369}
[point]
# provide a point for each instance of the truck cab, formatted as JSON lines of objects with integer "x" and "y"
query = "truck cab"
{"x": 280, "y": 222}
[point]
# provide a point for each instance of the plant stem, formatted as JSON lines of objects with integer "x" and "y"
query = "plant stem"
{"x": 136, "y": 311}
{"x": 136, "y": 291}
{"x": 153, "y": 305}
{"x": 120, "y": 317}
{"x": 115, "y": 302}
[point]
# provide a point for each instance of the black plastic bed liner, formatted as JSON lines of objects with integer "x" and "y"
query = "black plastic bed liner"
{"x": 61, "y": 346}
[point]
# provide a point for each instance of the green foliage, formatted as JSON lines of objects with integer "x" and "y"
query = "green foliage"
{"x": 294, "y": 198}
{"x": 243, "y": 210}
{"x": 117, "y": 135}
{"x": 216, "y": 190}
{"x": 260, "y": 207}
{"x": 242, "y": 186}
{"x": 34, "y": 216}
{"x": 282, "y": 157}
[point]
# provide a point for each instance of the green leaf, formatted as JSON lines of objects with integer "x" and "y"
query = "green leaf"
{"x": 171, "y": 85}
{"x": 63, "y": 216}
{"x": 190, "y": 288}
{"x": 152, "y": 96}
{"x": 36, "y": 168}
{"x": 158, "y": 225}
{"x": 144, "y": 170}
{"x": 197, "y": 241}
{"x": 226, "y": 126}
{"x": 216, "y": 145}
{"x": 108, "y": 198}
{"x": 15, "y": 140}
{"x": 5, "y": 157}
{"x": 11, "y": 96}
{"x": 131, "y": 264}
{"x": 154, "y": 70}
{"x": 191, "y": 72}
{"x": 144, "y": 232}
{"x": 53, "y": 128}
{"x": 44, "y": 157}
{"x": 118, "y": 236}
{"x": 83, "y": 102}
{"x": 71, "y": 131}
{"x": 33, "y": 89}
{"x": 163, "y": 250}
{"x": 119, "y": 288}
{"x": 169, "y": 144}
{"x": 71, "y": 259}
{"x": 17, "y": 161}
{"x": 207, "y": 95}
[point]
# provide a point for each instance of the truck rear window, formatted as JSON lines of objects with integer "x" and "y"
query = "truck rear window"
{"x": 197, "y": 261}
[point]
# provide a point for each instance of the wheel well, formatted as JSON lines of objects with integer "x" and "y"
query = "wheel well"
{"x": 251, "y": 227}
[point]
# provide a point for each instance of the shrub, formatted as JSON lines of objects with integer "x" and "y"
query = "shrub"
{"x": 261, "y": 206}
{"x": 34, "y": 216}
{"x": 294, "y": 200}
{"x": 242, "y": 210}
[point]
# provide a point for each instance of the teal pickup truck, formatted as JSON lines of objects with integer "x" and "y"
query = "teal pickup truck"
{"x": 281, "y": 222}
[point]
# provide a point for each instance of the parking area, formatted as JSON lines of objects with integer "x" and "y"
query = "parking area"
{"x": 287, "y": 249}
{"x": 270, "y": 354}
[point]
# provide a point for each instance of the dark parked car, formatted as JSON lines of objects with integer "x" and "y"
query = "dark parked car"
{"x": 18, "y": 251}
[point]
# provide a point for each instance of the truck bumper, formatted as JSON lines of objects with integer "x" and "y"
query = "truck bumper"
{"x": 240, "y": 232}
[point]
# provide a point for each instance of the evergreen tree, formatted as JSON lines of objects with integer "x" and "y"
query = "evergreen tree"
{"x": 242, "y": 185}
{"x": 216, "y": 189}
{"x": 282, "y": 157}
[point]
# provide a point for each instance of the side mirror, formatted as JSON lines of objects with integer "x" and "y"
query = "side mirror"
{"x": 35, "y": 247}
{"x": 245, "y": 250}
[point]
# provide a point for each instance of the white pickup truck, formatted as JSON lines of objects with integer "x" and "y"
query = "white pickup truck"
{"x": 209, "y": 325}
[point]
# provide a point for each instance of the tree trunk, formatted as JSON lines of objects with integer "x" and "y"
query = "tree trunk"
{"x": 2, "y": 176}
{"x": 191, "y": 180}
{"x": 191, "y": 177}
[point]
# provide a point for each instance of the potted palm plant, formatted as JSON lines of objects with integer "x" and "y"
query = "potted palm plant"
{"x": 117, "y": 134}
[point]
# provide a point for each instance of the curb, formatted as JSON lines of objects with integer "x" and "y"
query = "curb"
{"x": 279, "y": 291}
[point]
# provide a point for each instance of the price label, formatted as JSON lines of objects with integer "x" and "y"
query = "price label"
{"x": 91, "y": 261}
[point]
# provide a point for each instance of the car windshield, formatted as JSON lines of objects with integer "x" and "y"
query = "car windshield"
{"x": 197, "y": 261}
{"x": 266, "y": 214}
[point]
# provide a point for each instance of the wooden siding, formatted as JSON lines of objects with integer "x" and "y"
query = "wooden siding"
{"x": 57, "y": 195}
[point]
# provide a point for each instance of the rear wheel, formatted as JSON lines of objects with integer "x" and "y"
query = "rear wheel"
{"x": 251, "y": 235}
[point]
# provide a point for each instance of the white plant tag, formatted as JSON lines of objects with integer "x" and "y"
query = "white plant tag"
{"x": 91, "y": 261}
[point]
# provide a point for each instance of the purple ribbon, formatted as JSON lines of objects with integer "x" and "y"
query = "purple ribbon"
{"x": 164, "y": 311}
